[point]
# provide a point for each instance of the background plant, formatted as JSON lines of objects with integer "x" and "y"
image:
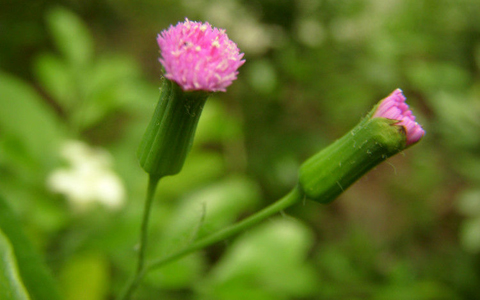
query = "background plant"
{"x": 88, "y": 71}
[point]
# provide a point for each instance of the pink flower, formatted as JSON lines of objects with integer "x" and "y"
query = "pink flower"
{"x": 199, "y": 57}
{"x": 394, "y": 107}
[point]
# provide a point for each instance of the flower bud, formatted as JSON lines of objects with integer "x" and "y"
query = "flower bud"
{"x": 394, "y": 107}
{"x": 387, "y": 130}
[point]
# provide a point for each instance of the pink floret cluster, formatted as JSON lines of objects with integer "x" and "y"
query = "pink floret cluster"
{"x": 199, "y": 57}
{"x": 394, "y": 107}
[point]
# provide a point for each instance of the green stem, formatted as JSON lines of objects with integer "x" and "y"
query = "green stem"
{"x": 291, "y": 198}
{"x": 140, "y": 271}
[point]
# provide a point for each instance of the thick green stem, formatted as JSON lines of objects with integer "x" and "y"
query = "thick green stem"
{"x": 293, "y": 197}
{"x": 140, "y": 270}
{"x": 331, "y": 171}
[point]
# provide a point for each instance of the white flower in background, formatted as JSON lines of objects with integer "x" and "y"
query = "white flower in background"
{"x": 88, "y": 178}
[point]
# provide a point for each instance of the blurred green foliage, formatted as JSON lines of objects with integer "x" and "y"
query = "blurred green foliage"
{"x": 89, "y": 71}
{"x": 11, "y": 284}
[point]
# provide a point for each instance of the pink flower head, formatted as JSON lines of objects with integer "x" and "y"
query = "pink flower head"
{"x": 394, "y": 107}
{"x": 199, "y": 57}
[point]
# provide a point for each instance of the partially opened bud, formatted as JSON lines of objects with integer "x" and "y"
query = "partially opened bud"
{"x": 394, "y": 107}
{"x": 387, "y": 130}
{"x": 198, "y": 60}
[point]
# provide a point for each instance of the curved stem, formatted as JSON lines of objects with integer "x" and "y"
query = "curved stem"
{"x": 140, "y": 270}
{"x": 291, "y": 198}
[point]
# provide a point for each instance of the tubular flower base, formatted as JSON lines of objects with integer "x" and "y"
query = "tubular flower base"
{"x": 394, "y": 107}
{"x": 199, "y": 57}
{"x": 170, "y": 133}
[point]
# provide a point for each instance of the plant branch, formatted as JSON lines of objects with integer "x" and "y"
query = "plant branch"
{"x": 291, "y": 198}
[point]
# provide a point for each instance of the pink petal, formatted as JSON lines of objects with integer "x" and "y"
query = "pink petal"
{"x": 199, "y": 57}
{"x": 394, "y": 107}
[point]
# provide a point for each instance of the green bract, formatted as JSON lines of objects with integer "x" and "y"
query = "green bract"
{"x": 331, "y": 171}
{"x": 169, "y": 135}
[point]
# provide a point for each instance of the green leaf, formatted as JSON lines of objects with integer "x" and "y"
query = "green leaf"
{"x": 107, "y": 87}
{"x": 29, "y": 128}
{"x": 200, "y": 169}
{"x": 11, "y": 286}
{"x": 206, "y": 211}
{"x": 32, "y": 269}
{"x": 56, "y": 79}
{"x": 210, "y": 210}
{"x": 180, "y": 274}
{"x": 112, "y": 70}
{"x": 267, "y": 260}
{"x": 71, "y": 36}
{"x": 217, "y": 124}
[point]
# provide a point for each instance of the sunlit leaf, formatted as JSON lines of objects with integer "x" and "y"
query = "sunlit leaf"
{"x": 217, "y": 124}
{"x": 29, "y": 126}
{"x": 85, "y": 276}
{"x": 209, "y": 210}
{"x": 11, "y": 285}
{"x": 182, "y": 273}
{"x": 269, "y": 260}
{"x": 36, "y": 277}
